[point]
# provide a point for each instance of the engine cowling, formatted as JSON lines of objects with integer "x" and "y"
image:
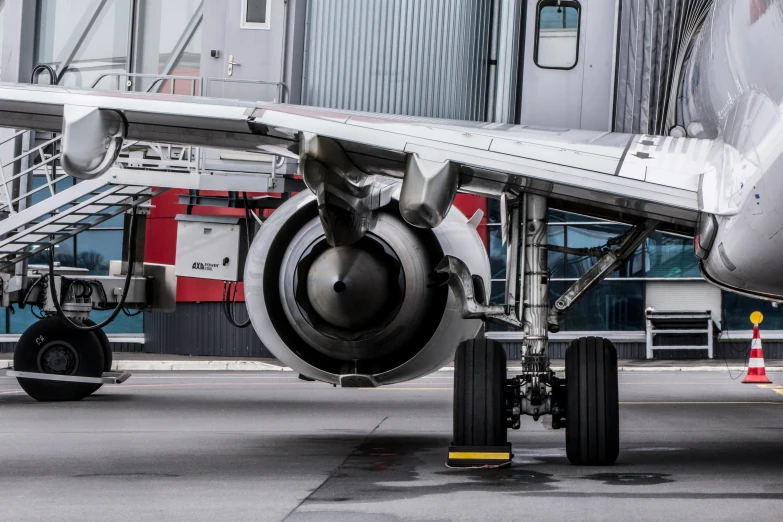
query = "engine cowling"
{"x": 360, "y": 315}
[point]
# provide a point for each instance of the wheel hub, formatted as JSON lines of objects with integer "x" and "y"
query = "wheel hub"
{"x": 59, "y": 359}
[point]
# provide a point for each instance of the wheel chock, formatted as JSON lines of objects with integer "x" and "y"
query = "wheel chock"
{"x": 479, "y": 456}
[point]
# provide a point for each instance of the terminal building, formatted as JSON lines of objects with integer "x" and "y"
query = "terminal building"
{"x": 589, "y": 64}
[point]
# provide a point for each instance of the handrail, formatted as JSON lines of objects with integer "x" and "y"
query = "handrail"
{"x": 43, "y": 67}
{"x": 156, "y": 77}
{"x": 281, "y": 86}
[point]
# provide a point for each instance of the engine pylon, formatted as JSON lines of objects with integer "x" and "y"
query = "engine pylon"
{"x": 757, "y": 373}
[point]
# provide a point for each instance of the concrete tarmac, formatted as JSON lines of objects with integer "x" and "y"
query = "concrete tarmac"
{"x": 266, "y": 446}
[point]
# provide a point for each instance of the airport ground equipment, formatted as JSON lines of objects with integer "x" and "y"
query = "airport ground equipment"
{"x": 677, "y": 330}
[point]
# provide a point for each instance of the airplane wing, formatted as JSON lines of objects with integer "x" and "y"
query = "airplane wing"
{"x": 618, "y": 176}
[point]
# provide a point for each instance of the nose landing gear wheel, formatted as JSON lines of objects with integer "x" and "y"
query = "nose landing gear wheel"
{"x": 51, "y": 346}
{"x": 593, "y": 411}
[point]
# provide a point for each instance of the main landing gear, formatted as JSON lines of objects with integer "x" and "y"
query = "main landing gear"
{"x": 487, "y": 402}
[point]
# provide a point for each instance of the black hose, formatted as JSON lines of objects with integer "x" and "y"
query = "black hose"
{"x": 120, "y": 305}
{"x": 229, "y": 297}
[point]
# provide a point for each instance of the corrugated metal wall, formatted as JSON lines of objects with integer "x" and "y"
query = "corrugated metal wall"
{"x": 411, "y": 57}
{"x": 201, "y": 329}
{"x": 654, "y": 37}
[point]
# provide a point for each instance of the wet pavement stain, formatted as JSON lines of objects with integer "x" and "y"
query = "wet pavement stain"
{"x": 631, "y": 479}
{"x": 395, "y": 468}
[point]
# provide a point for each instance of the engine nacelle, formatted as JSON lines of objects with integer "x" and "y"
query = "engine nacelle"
{"x": 362, "y": 315}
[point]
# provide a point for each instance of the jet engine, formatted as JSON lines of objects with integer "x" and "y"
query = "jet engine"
{"x": 363, "y": 315}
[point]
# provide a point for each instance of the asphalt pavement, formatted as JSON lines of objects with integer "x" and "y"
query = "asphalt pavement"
{"x": 266, "y": 446}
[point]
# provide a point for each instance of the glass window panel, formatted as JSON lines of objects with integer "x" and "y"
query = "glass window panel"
{"x": 557, "y": 38}
{"x": 63, "y": 254}
{"x": 611, "y": 306}
{"x": 122, "y": 323}
{"x": 21, "y": 320}
{"x": 555, "y": 216}
{"x": 557, "y": 266}
{"x": 737, "y": 309}
{"x": 498, "y": 296}
{"x": 497, "y": 253}
{"x": 96, "y": 248}
{"x": 493, "y": 211}
{"x": 255, "y": 11}
{"x": 590, "y": 236}
{"x": 104, "y": 49}
{"x": 169, "y": 44}
{"x": 671, "y": 256}
{"x": 39, "y": 181}
{"x": 579, "y": 218}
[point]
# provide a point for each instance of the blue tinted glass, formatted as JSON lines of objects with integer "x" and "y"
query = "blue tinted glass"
{"x": 671, "y": 256}
{"x": 737, "y": 309}
{"x": 556, "y": 236}
{"x": 493, "y": 210}
{"x": 122, "y": 324}
{"x": 63, "y": 254}
{"x": 39, "y": 181}
{"x": 591, "y": 236}
{"x": 555, "y": 216}
{"x": 498, "y": 296}
{"x": 497, "y": 253}
{"x": 97, "y": 248}
{"x": 553, "y": 17}
{"x": 611, "y": 306}
{"x": 21, "y": 320}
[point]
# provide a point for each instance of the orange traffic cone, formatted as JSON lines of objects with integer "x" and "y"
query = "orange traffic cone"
{"x": 756, "y": 371}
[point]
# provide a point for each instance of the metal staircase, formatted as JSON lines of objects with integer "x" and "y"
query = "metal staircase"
{"x": 32, "y": 227}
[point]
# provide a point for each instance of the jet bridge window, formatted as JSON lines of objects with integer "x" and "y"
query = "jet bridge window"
{"x": 557, "y": 34}
{"x": 256, "y": 14}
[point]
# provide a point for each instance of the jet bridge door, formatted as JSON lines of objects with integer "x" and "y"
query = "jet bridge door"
{"x": 569, "y": 62}
{"x": 242, "y": 57}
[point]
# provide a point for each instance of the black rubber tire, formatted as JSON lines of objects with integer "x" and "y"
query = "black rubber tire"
{"x": 108, "y": 356}
{"x": 41, "y": 336}
{"x": 593, "y": 409}
{"x": 479, "y": 394}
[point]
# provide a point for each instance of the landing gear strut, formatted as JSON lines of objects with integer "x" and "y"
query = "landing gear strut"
{"x": 585, "y": 403}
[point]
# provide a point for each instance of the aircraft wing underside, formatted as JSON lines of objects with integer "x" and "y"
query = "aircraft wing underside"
{"x": 611, "y": 175}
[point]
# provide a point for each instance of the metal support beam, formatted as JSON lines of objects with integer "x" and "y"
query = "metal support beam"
{"x": 610, "y": 262}
{"x": 82, "y": 29}
{"x": 461, "y": 283}
{"x": 181, "y": 45}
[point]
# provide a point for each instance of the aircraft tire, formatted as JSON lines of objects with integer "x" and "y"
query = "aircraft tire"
{"x": 108, "y": 356}
{"x": 479, "y": 394}
{"x": 593, "y": 411}
{"x": 51, "y": 346}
